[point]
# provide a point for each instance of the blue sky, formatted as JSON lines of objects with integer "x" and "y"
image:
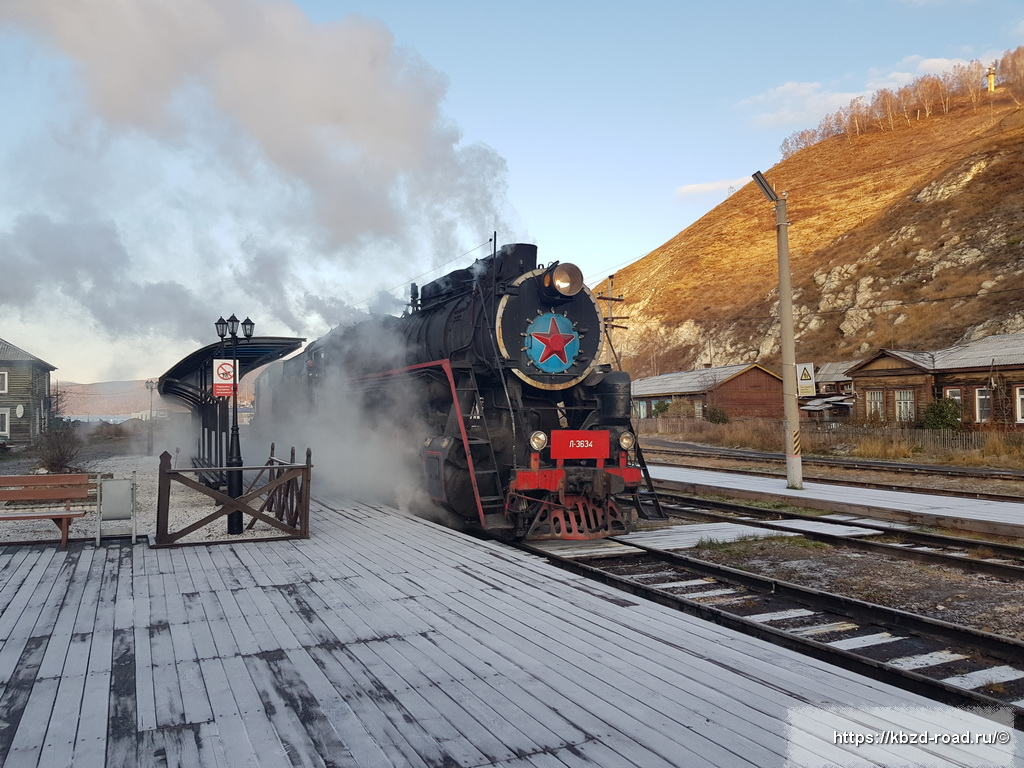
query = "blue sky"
{"x": 166, "y": 163}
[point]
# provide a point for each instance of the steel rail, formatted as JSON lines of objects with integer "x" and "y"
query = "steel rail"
{"x": 963, "y": 562}
{"x": 935, "y": 633}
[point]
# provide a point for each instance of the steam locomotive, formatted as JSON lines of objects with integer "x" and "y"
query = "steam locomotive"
{"x": 521, "y": 430}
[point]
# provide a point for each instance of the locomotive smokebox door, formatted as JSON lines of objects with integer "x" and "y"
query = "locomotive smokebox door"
{"x": 553, "y": 339}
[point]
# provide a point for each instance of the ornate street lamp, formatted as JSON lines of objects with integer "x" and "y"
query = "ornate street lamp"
{"x": 224, "y": 328}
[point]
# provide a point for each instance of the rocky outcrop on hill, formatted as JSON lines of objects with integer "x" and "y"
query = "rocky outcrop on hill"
{"x": 910, "y": 239}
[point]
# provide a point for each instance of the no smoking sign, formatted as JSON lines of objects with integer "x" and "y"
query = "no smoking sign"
{"x": 223, "y": 377}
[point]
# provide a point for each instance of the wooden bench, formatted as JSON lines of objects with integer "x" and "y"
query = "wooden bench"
{"x": 36, "y": 494}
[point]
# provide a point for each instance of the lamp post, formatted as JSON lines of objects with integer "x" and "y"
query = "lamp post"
{"x": 794, "y": 467}
{"x": 224, "y": 328}
{"x": 150, "y": 385}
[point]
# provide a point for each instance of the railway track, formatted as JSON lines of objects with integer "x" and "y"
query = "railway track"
{"x": 689, "y": 450}
{"x": 946, "y": 662}
{"x": 977, "y": 556}
{"x": 918, "y": 470}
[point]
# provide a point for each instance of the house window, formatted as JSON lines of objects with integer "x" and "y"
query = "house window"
{"x": 5, "y": 422}
{"x": 953, "y": 393}
{"x": 828, "y": 388}
{"x": 3, "y": 382}
{"x": 905, "y": 405}
{"x": 874, "y": 402}
{"x": 1020, "y": 403}
{"x": 698, "y": 409}
{"x": 983, "y": 404}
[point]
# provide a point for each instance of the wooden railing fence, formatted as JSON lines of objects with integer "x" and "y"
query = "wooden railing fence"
{"x": 278, "y": 495}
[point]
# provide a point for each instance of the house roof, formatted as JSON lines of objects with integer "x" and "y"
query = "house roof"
{"x": 690, "y": 382}
{"x": 834, "y": 371}
{"x": 828, "y": 403}
{"x": 10, "y": 352}
{"x": 990, "y": 352}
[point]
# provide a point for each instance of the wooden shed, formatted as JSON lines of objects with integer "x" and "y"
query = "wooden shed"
{"x": 24, "y": 395}
{"x": 736, "y": 390}
{"x": 986, "y": 376}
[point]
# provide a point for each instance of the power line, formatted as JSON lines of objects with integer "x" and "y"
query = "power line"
{"x": 424, "y": 274}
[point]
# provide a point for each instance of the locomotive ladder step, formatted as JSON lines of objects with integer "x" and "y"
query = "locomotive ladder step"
{"x": 496, "y": 521}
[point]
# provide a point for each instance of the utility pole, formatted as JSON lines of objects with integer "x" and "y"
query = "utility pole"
{"x": 791, "y": 408}
{"x": 608, "y": 324}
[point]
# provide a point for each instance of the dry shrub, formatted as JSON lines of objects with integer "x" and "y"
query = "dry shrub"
{"x": 740, "y": 433}
{"x": 1000, "y": 449}
{"x": 882, "y": 448}
{"x": 59, "y": 447}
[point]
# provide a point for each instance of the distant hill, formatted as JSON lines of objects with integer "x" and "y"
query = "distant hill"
{"x": 111, "y": 398}
{"x": 910, "y": 238}
{"x": 123, "y": 398}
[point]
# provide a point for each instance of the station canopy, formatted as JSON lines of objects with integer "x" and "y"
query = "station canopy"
{"x": 191, "y": 379}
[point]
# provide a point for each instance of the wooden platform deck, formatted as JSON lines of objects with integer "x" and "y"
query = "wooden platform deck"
{"x": 995, "y": 517}
{"x": 389, "y": 641}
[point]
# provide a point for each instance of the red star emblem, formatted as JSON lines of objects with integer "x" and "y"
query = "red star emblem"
{"x": 554, "y": 342}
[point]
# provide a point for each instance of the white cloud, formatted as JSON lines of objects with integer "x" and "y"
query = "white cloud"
{"x": 703, "y": 188}
{"x": 797, "y": 105}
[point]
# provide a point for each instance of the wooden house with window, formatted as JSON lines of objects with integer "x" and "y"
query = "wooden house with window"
{"x": 24, "y": 395}
{"x": 736, "y": 390}
{"x": 986, "y": 376}
{"x": 832, "y": 378}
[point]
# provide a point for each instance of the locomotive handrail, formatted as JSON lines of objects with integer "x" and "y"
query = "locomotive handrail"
{"x": 286, "y": 495}
{"x": 446, "y": 366}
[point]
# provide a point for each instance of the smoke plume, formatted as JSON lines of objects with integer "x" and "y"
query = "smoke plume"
{"x": 217, "y": 156}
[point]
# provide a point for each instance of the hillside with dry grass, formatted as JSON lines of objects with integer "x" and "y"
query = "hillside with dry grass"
{"x": 910, "y": 238}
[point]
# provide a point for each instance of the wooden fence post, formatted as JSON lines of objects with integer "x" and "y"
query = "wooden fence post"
{"x": 163, "y": 498}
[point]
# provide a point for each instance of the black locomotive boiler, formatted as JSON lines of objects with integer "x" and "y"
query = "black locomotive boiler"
{"x": 520, "y": 428}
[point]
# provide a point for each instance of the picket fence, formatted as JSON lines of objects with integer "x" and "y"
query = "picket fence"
{"x": 827, "y": 435}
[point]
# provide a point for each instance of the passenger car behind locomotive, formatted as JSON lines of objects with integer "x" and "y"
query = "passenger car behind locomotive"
{"x": 522, "y": 430}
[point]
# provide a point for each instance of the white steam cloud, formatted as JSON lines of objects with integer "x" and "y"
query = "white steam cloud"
{"x": 212, "y": 156}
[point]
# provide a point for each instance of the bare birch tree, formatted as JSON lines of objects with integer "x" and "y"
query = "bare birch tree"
{"x": 1010, "y": 74}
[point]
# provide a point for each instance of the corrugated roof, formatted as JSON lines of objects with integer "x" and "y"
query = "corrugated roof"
{"x": 687, "y": 382}
{"x": 834, "y": 371}
{"x": 992, "y": 351}
{"x": 10, "y": 352}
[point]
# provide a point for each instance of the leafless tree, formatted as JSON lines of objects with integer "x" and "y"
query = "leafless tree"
{"x": 947, "y": 88}
{"x": 970, "y": 79}
{"x": 884, "y": 108}
{"x": 906, "y": 99}
{"x": 829, "y": 126}
{"x": 797, "y": 141}
{"x": 926, "y": 91}
{"x": 1010, "y": 74}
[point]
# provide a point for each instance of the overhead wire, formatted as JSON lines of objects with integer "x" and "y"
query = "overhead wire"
{"x": 424, "y": 274}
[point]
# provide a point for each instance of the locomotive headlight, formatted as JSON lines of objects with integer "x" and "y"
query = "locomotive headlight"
{"x": 627, "y": 440}
{"x": 538, "y": 441}
{"x": 563, "y": 279}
